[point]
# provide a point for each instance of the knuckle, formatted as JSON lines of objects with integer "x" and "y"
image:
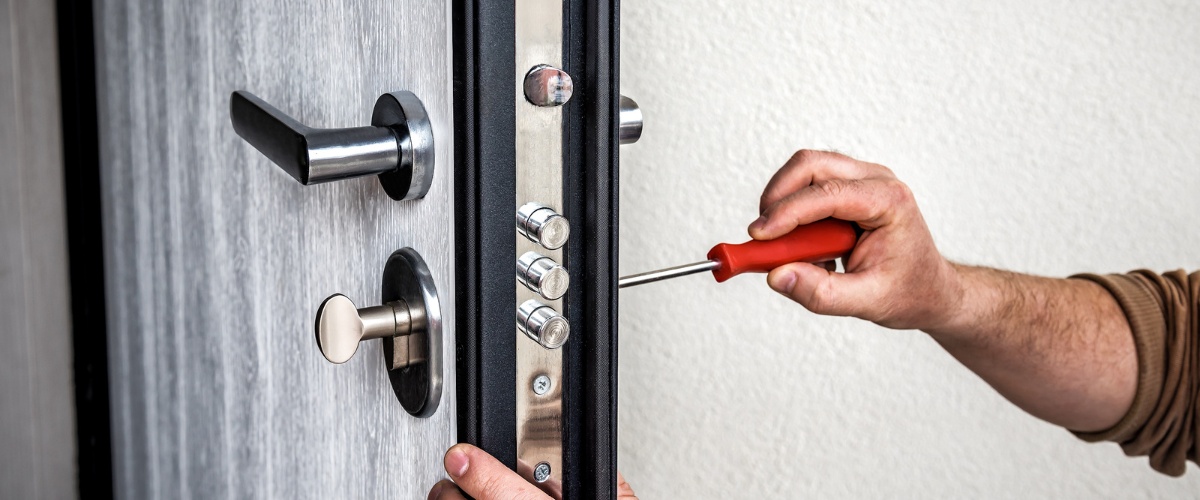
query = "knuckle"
{"x": 803, "y": 156}
{"x": 822, "y": 298}
{"x": 882, "y": 170}
{"x": 807, "y": 157}
{"x": 832, "y": 188}
{"x": 900, "y": 192}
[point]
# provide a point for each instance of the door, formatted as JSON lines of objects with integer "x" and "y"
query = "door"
{"x": 216, "y": 260}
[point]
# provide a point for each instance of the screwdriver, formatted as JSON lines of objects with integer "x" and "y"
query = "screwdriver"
{"x": 820, "y": 241}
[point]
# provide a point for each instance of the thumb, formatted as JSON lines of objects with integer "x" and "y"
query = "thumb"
{"x": 820, "y": 290}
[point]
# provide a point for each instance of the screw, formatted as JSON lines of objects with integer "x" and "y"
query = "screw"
{"x": 542, "y": 472}
{"x": 541, "y": 385}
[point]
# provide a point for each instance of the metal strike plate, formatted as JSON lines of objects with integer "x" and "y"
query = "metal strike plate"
{"x": 541, "y": 321}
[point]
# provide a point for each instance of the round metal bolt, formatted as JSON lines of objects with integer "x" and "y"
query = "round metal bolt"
{"x": 542, "y": 472}
{"x": 542, "y": 275}
{"x": 547, "y": 86}
{"x": 541, "y": 385}
{"x": 553, "y": 233}
{"x": 630, "y": 118}
{"x": 542, "y": 225}
{"x": 543, "y": 324}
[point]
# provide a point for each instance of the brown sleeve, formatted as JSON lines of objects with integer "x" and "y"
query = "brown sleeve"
{"x": 1164, "y": 314}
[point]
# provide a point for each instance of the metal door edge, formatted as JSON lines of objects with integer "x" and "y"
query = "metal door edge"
{"x": 485, "y": 175}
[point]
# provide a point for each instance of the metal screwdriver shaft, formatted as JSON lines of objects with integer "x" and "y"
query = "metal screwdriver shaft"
{"x": 820, "y": 241}
{"x": 668, "y": 273}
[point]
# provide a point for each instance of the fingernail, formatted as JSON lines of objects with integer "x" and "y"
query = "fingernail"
{"x": 437, "y": 490}
{"x": 456, "y": 462}
{"x": 786, "y": 282}
{"x": 758, "y": 224}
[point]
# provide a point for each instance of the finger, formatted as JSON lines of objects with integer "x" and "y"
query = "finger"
{"x": 822, "y": 291}
{"x": 868, "y": 202}
{"x": 624, "y": 491}
{"x": 452, "y": 493}
{"x": 485, "y": 478}
{"x": 445, "y": 490}
{"x": 808, "y": 166}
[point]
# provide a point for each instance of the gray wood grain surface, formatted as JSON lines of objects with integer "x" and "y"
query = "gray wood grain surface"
{"x": 216, "y": 260}
{"x": 37, "y": 420}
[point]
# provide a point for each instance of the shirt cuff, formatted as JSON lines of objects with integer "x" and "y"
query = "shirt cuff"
{"x": 1146, "y": 322}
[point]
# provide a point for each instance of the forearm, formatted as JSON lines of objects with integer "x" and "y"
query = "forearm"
{"x": 1060, "y": 349}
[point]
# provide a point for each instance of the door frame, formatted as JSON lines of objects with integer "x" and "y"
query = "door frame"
{"x": 485, "y": 175}
{"x": 85, "y": 245}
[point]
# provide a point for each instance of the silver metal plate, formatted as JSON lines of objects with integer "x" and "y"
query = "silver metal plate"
{"x": 539, "y": 30}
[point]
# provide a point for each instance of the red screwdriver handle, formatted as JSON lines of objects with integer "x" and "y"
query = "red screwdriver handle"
{"x": 820, "y": 241}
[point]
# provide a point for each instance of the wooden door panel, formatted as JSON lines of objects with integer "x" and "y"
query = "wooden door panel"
{"x": 216, "y": 260}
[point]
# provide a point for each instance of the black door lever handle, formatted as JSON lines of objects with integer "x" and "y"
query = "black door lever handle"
{"x": 398, "y": 146}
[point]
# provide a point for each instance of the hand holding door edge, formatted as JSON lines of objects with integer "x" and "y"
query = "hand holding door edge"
{"x": 473, "y": 472}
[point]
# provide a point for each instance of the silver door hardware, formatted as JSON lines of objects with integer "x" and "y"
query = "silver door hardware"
{"x": 542, "y": 472}
{"x": 543, "y": 225}
{"x": 542, "y": 88}
{"x": 542, "y": 275}
{"x": 398, "y": 146}
{"x": 630, "y": 128}
{"x": 543, "y": 324}
{"x": 541, "y": 385}
{"x": 341, "y": 326}
{"x": 548, "y": 86}
{"x": 409, "y": 322}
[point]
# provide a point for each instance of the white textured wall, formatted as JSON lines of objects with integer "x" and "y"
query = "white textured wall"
{"x": 1046, "y": 137}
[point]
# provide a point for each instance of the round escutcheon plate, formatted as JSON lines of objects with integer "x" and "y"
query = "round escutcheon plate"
{"x": 418, "y": 386}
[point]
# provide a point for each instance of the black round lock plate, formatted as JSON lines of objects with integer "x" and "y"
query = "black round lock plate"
{"x": 418, "y": 386}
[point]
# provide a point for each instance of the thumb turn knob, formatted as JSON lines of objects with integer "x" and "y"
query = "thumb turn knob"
{"x": 398, "y": 147}
{"x": 341, "y": 326}
{"x": 409, "y": 324}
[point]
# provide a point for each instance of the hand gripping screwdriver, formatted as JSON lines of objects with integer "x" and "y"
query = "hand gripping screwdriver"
{"x": 820, "y": 241}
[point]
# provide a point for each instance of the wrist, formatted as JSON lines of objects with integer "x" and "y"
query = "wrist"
{"x": 954, "y": 316}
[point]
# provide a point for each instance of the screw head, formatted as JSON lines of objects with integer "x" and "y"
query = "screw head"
{"x": 541, "y": 385}
{"x": 542, "y": 472}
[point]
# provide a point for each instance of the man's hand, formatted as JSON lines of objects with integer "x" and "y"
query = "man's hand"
{"x": 894, "y": 277}
{"x": 481, "y": 476}
{"x": 1061, "y": 349}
